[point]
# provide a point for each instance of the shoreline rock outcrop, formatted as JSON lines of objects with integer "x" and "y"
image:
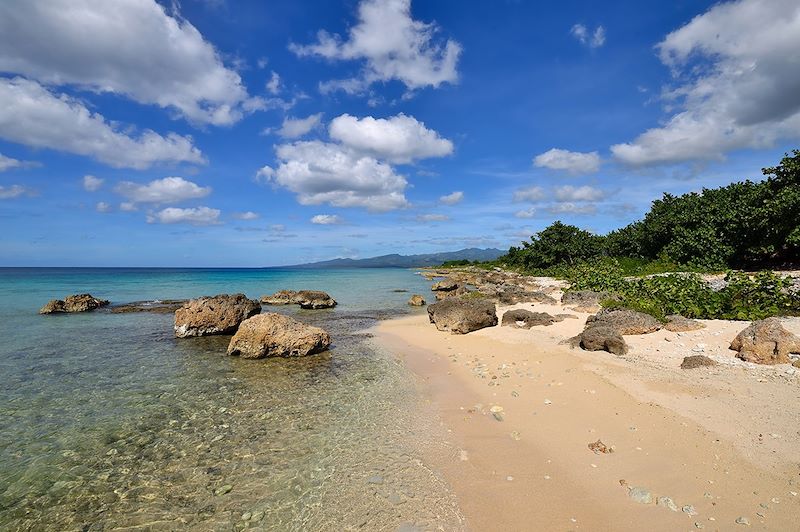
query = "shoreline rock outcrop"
{"x": 766, "y": 342}
{"x": 73, "y": 303}
{"x": 220, "y": 314}
{"x": 276, "y": 335}
{"x": 307, "y": 299}
{"x": 525, "y": 319}
{"x": 416, "y": 301}
{"x": 625, "y": 321}
{"x": 461, "y": 316}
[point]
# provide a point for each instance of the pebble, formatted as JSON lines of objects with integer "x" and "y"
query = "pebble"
{"x": 689, "y": 509}
{"x": 223, "y": 490}
{"x": 548, "y": 402}
{"x": 246, "y": 516}
{"x": 496, "y": 408}
{"x": 516, "y": 436}
{"x": 742, "y": 521}
{"x": 509, "y": 478}
{"x": 257, "y": 516}
{"x": 699, "y": 525}
{"x": 498, "y": 416}
{"x": 640, "y": 495}
{"x": 375, "y": 479}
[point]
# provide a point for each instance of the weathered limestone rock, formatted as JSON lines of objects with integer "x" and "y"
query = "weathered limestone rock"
{"x": 512, "y": 297}
{"x": 602, "y": 338}
{"x": 275, "y": 335}
{"x": 416, "y": 301}
{"x": 314, "y": 299}
{"x": 220, "y": 314}
{"x": 444, "y": 286}
{"x": 281, "y": 297}
{"x": 697, "y": 361}
{"x": 584, "y": 298}
{"x": 677, "y": 323}
{"x": 625, "y": 321}
{"x": 458, "y": 292}
{"x": 461, "y": 316}
{"x": 525, "y": 319}
{"x": 74, "y": 303}
{"x": 766, "y": 342}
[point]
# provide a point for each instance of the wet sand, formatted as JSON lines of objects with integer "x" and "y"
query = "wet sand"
{"x": 520, "y": 411}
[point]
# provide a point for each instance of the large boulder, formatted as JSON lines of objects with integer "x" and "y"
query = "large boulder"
{"x": 677, "y": 323}
{"x": 444, "y": 286}
{"x": 525, "y": 319}
{"x": 281, "y": 297}
{"x": 458, "y": 292}
{"x": 697, "y": 361}
{"x": 460, "y": 316}
{"x": 766, "y": 342}
{"x": 275, "y": 335}
{"x": 74, "y": 303}
{"x": 416, "y": 301}
{"x": 314, "y": 299}
{"x": 600, "y": 337}
{"x": 625, "y": 321}
{"x": 220, "y": 314}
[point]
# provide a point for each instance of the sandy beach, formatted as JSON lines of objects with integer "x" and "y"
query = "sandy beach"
{"x": 708, "y": 448}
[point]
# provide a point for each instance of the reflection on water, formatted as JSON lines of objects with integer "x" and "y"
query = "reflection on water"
{"x": 108, "y": 422}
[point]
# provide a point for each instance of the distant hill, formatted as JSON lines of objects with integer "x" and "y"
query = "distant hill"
{"x": 404, "y": 261}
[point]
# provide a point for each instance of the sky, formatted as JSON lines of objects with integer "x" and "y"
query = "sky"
{"x": 248, "y": 133}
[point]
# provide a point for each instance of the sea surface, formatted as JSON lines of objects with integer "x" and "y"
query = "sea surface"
{"x": 108, "y": 422}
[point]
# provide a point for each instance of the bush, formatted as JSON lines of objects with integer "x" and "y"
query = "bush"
{"x": 558, "y": 244}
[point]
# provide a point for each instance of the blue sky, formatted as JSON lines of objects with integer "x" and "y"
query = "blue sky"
{"x": 253, "y": 133}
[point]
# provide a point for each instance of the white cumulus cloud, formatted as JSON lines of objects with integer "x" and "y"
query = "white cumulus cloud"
{"x": 192, "y": 216}
{"x": 393, "y": 46}
{"x": 737, "y": 84}
{"x": 532, "y": 194}
{"x": 452, "y": 198}
{"x": 92, "y": 183}
{"x": 133, "y": 48}
{"x": 9, "y": 163}
{"x": 572, "y": 208}
{"x": 103, "y": 207}
{"x": 32, "y": 115}
{"x": 274, "y": 83}
{"x": 247, "y": 215}
{"x": 568, "y": 193}
{"x": 398, "y": 139}
{"x": 573, "y": 162}
{"x": 592, "y": 39}
{"x": 166, "y": 190}
{"x": 526, "y": 213}
{"x": 293, "y": 128}
{"x": 429, "y": 218}
{"x": 327, "y": 219}
{"x": 13, "y": 191}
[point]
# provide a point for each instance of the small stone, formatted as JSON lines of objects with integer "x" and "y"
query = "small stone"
{"x": 742, "y": 521}
{"x": 640, "y": 495}
{"x": 246, "y": 516}
{"x": 375, "y": 479}
{"x": 496, "y": 408}
{"x": 257, "y": 516}
{"x": 699, "y": 525}
{"x": 516, "y": 436}
{"x": 689, "y": 509}
{"x": 509, "y": 478}
{"x": 223, "y": 490}
{"x": 394, "y": 498}
{"x": 667, "y": 502}
{"x": 498, "y": 416}
{"x": 548, "y": 402}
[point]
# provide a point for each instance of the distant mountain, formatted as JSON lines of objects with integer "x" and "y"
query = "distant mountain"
{"x": 404, "y": 261}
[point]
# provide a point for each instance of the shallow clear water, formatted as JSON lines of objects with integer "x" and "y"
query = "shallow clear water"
{"x": 109, "y": 422}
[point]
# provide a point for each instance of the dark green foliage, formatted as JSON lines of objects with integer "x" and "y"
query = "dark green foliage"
{"x": 555, "y": 245}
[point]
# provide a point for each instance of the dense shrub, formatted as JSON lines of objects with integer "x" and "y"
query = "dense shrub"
{"x": 558, "y": 244}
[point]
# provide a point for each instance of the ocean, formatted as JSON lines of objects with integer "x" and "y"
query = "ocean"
{"x": 109, "y": 422}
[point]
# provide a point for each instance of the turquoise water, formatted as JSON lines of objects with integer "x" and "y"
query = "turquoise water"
{"x": 109, "y": 422}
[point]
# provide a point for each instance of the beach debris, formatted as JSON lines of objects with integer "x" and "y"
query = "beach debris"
{"x": 598, "y": 447}
{"x": 640, "y": 495}
{"x": 667, "y": 502}
{"x": 742, "y": 521}
{"x": 276, "y": 335}
{"x": 766, "y": 342}
{"x": 697, "y": 361}
{"x": 677, "y": 323}
{"x": 416, "y": 301}
{"x": 73, "y": 303}
{"x": 461, "y": 316}
{"x": 220, "y": 314}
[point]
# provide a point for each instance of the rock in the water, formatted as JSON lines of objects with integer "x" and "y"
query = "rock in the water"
{"x": 625, "y": 321}
{"x": 166, "y": 306}
{"x": 677, "y": 323}
{"x": 525, "y": 319}
{"x": 460, "y": 316}
{"x": 766, "y": 342}
{"x": 74, "y": 303}
{"x": 276, "y": 335}
{"x": 585, "y": 298}
{"x": 314, "y": 299}
{"x": 220, "y": 314}
{"x": 444, "y": 286}
{"x": 281, "y": 297}
{"x": 416, "y": 301}
{"x": 697, "y": 361}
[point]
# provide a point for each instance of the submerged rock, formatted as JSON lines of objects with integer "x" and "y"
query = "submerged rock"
{"x": 166, "y": 306}
{"x": 766, "y": 342}
{"x": 220, "y": 314}
{"x": 276, "y": 335}
{"x": 416, "y": 301}
{"x": 73, "y": 303}
{"x": 461, "y": 316}
{"x": 625, "y": 321}
{"x": 525, "y": 319}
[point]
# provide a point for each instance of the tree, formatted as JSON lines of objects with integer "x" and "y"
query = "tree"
{"x": 557, "y": 244}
